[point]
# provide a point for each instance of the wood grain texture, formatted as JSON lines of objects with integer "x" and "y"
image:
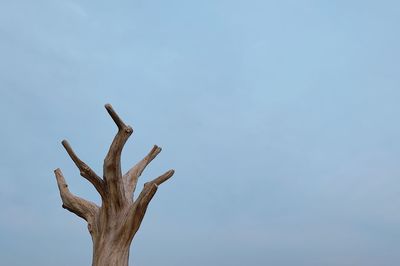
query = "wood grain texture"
{"x": 112, "y": 225}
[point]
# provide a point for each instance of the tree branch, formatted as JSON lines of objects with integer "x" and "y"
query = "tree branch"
{"x": 81, "y": 207}
{"x": 146, "y": 195}
{"x": 132, "y": 176}
{"x": 115, "y": 116}
{"x": 85, "y": 170}
{"x": 138, "y": 209}
{"x": 164, "y": 177}
{"x": 112, "y": 162}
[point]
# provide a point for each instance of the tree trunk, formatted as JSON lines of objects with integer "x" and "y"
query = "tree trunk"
{"x": 107, "y": 254}
{"x": 114, "y": 224}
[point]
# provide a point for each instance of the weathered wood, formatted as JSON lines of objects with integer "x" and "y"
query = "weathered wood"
{"x": 113, "y": 225}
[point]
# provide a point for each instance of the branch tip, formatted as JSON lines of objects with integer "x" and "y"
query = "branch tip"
{"x": 128, "y": 130}
{"x": 66, "y": 145}
{"x": 117, "y": 119}
{"x": 164, "y": 177}
{"x": 157, "y": 148}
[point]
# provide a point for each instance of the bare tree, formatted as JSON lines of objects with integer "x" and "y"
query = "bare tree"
{"x": 113, "y": 224}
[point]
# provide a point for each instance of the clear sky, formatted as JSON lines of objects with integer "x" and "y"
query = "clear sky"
{"x": 281, "y": 119}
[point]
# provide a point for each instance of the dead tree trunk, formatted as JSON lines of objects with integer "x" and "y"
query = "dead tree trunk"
{"x": 113, "y": 224}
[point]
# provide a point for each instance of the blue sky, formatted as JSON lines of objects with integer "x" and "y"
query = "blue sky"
{"x": 281, "y": 119}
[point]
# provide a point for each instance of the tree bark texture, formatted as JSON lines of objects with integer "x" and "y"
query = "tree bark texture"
{"x": 112, "y": 225}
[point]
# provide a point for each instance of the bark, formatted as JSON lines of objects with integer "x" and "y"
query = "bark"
{"x": 112, "y": 225}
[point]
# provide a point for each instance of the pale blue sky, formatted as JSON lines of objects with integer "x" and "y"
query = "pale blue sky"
{"x": 281, "y": 119}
